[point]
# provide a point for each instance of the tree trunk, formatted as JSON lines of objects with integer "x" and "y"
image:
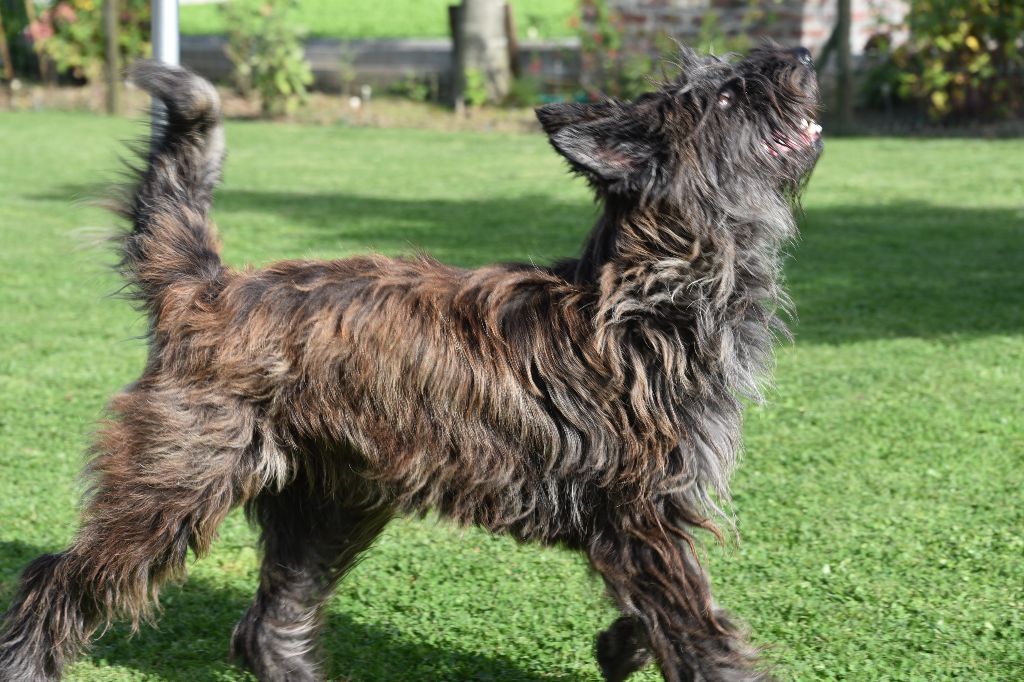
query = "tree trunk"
{"x": 45, "y": 74}
{"x": 112, "y": 69}
{"x": 483, "y": 59}
{"x": 844, "y": 80}
{"x": 458, "y": 77}
{"x": 5, "y": 53}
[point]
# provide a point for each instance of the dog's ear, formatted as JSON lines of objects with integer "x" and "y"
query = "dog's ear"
{"x": 610, "y": 142}
{"x": 554, "y": 117}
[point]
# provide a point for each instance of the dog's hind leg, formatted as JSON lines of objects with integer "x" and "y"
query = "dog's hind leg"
{"x": 166, "y": 471}
{"x": 665, "y": 595}
{"x": 310, "y": 539}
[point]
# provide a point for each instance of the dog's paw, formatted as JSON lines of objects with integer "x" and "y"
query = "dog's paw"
{"x": 622, "y": 650}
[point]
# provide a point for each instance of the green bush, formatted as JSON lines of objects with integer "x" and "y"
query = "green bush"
{"x": 475, "y": 88}
{"x": 962, "y": 60}
{"x": 265, "y": 45}
{"x": 527, "y": 90}
{"x": 411, "y": 87}
{"x": 71, "y": 34}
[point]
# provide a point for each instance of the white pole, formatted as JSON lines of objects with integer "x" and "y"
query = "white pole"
{"x": 165, "y": 49}
{"x": 165, "y": 31}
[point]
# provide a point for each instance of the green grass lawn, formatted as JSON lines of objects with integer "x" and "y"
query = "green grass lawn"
{"x": 390, "y": 18}
{"x": 880, "y": 499}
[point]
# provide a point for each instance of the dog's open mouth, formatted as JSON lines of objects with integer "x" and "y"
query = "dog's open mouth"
{"x": 808, "y": 132}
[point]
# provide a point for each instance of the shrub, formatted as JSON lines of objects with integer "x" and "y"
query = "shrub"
{"x": 526, "y": 91}
{"x": 265, "y": 45}
{"x": 71, "y": 34}
{"x": 475, "y": 92}
{"x": 411, "y": 87}
{"x": 964, "y": 59}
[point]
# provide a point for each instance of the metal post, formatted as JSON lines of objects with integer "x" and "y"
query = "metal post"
{"x": 165, "y": 49}
{"x": 165, "y": 31}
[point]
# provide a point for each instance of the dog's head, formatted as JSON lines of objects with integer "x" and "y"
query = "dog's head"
{"x": 721, "y": 127}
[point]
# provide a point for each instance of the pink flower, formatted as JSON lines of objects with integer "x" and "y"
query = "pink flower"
{"x": 65, "y": 13}
{"x": 39, "y": 30}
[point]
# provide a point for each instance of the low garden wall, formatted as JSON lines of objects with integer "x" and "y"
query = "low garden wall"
{"x": 346, "y": 65}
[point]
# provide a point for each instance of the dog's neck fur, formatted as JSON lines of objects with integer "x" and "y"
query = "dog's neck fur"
{"x": 712, "y": 279}
{"x": 685, "y": 305}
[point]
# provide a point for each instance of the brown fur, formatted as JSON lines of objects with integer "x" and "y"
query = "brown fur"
{"x": 591, "y": 405}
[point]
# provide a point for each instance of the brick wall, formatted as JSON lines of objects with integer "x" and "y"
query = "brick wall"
{"x": 790, "y": 22}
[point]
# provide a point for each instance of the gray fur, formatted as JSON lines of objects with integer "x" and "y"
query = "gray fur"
{"x": 594, "y": 404}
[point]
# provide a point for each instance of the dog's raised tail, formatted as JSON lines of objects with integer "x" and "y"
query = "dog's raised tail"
{"x": 172, "y": 246}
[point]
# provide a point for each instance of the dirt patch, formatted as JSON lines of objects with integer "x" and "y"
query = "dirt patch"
{"x": 322, "y": 109}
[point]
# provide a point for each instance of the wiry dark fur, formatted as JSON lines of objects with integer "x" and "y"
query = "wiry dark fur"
{"x": 593, "y": 404}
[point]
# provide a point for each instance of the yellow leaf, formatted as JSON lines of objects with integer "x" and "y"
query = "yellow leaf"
{"x": 972, "y": 43}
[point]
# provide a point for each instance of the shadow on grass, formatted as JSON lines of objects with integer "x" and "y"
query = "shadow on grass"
{"x": 908, "y": 270}
{"x": 464, "y": 232}
{"x": 192, "y": 638}
{"x": 860, "y": 272}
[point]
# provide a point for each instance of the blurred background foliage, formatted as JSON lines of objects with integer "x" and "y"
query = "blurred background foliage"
{"x": 948, "y": 62}
{"x": 265, "y": 46}
{"x": 964, "y": 60}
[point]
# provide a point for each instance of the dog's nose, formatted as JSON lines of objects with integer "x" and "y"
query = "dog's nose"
{"x": 802, "y": 55}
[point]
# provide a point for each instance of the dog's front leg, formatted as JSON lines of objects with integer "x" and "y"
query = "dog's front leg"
{"x": 668, "y": 610}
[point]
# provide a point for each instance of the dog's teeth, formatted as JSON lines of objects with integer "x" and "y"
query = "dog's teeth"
{"x": 815, "y": 129}
{"x": 803, "y": 123}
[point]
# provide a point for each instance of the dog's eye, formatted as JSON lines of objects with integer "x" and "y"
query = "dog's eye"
{"x": 724, "y": 99}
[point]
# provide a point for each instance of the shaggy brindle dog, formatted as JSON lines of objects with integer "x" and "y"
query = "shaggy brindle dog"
{"x": 594, "y": 404}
